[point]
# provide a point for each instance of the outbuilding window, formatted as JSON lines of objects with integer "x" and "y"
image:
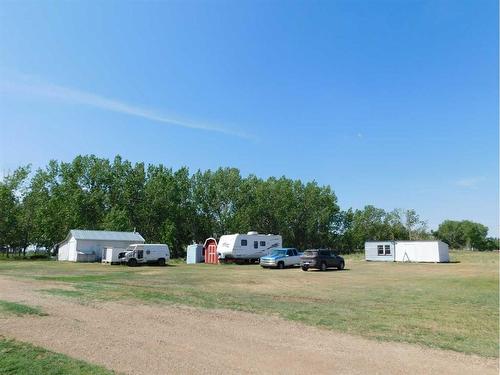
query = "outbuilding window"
{"x": 243, "y": 242}
{"x": 387, "y": 250}
{"x": 380, "y": 249}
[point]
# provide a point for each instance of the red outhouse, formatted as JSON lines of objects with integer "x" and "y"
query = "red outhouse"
{"x": 210, "y": 251}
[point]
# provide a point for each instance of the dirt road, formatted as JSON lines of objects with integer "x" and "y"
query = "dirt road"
{"x": 150, "y": 339}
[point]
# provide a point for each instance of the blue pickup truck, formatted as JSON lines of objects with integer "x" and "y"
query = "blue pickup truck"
{"x": 281, "y": 258}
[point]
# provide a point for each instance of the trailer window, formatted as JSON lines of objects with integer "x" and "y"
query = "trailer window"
{"x": 262, "y": 243}
{"x": 255, "y": 244}
{"x": 387, "y": 250}
{"x": 243, "y": 242}
{"x": 380, "y": 249}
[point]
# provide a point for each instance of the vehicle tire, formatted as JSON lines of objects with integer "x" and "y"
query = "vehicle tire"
{"x": 281, "y": 265}
{"x": 132, "y": 262}
{"x": 323, "y": 266}
{"x": 341, "y": 266}
{"x": 161, "y": 262}
{"x": 304, "y": 268}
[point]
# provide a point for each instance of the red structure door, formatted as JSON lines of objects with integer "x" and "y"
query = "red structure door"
{"x": 211, "y": 252}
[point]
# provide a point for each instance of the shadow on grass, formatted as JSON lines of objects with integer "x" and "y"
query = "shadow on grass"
{"x": 328, "y": 270}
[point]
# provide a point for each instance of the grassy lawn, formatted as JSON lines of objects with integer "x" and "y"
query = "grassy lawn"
{"x": 14, "y": 308}
{"x": 451, "y": 306}
{"x": 19, "y": 358}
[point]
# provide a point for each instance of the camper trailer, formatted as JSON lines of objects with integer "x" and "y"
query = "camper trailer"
{"x": 246, "y": 247}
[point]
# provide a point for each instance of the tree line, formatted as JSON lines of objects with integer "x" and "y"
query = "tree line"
{"x": 179, "y": 208}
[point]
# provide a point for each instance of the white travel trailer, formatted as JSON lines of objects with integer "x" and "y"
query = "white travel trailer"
{"x": 143, "y": 253}
{"x": 407, "y": 251}
{"x": 249, "y": 247}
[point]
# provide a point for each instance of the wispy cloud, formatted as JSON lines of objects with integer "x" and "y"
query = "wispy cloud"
{"x": 469, "y": 182}
{"x": 71, "y": 95}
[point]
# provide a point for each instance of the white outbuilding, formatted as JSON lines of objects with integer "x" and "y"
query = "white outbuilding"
{"x": 407, "y": 251}
{"x": 88, "y": 245}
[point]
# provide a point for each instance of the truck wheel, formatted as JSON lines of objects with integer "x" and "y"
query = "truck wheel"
{"x": 323, "y": 266}
{"x": 305, "y": 268}
{"x": 341, "y": 266}
{"x": 281, "y": 265}
{"x": 132, "y": 262}
{"x": 161, "y": 262}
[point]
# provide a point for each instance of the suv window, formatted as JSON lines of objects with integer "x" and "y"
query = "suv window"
{"x": 324, "y": 253}
{"x": 310, "y": 253}
{"x": 289, "y": 252}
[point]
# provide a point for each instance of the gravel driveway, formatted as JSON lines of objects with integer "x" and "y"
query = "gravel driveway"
{"x": 135, "y": 338}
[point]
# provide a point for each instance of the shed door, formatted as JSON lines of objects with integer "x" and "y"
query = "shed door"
{"x": 211, "y": 253}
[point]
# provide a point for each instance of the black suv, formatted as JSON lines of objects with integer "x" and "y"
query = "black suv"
{"x": 321, "y": 259}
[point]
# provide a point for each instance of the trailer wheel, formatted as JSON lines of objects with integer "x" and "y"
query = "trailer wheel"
{"x": 323, "y": 266}
{"x": 305, "y": 268}
{"x": 161, "y": 262}
{"x": 132, "y": 262}
{"x": 281, "y": 265}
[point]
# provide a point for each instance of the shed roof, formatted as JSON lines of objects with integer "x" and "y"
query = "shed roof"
{"x": 81, "y": 234}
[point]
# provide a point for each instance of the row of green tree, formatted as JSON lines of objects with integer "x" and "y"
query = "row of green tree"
{"x": 176, "y": 207}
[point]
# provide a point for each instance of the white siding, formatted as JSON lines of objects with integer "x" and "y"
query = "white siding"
{"x": 444, "y": 255}
{"x": 96, "y": 246}
{"x": 371, "y": 251}
{"x": 421, "y": 251}
{"x": 69, "y": 250}
{"x": 408, "y": 251}
{"x": 72, "y": 250}
{"x": 63, "y": 253}
{"x": 417, "y": 251}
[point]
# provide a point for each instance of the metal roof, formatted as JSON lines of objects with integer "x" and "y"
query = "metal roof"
{"x": 106, "y": 235}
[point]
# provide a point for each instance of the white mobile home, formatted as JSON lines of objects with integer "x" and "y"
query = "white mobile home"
{"x": 88, "y": 245}
{"x": 407, "y": 251}
{"x": 250, "y": 246}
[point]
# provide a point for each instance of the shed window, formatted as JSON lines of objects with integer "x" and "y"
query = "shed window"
{"x": 262, "y": 243}
{"x": 255, "y": 244}
{"x": 380, "y": 249}
{"x": 243, "y": 242}
{"x": 387, "y": 250}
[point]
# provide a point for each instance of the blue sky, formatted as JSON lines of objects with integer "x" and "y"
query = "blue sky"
{"x": 392, "y": 103}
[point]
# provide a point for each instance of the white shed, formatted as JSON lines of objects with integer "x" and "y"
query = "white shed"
{"x": 407, "y": 251}
{"x": 88, "y": 245}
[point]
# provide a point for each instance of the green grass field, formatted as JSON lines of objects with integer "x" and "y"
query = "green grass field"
{"x": 451, "y": 306}
{"x": 18, "y": 358}
{"x": 14, "y": 308}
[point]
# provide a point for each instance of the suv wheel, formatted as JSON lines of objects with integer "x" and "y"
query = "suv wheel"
{"x": 281, "y": 265}
{"x": 341, "y": 266}
{"x": 323, "y": 266}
